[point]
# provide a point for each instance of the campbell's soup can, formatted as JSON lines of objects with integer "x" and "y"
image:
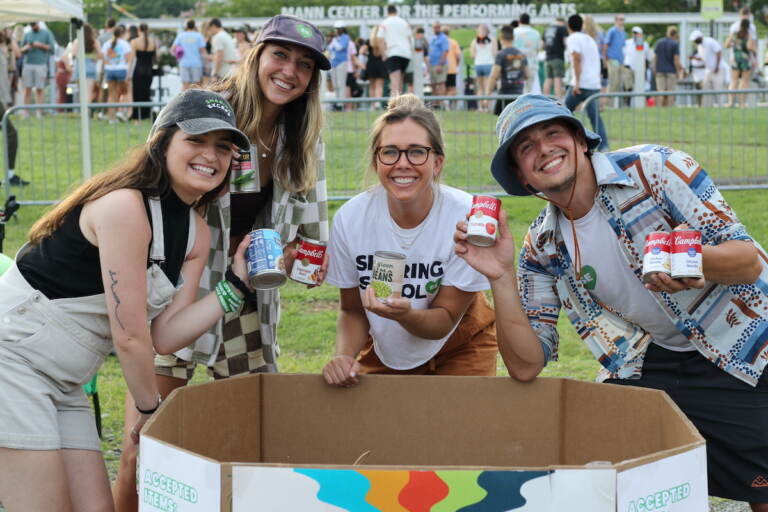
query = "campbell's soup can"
{"x": 266, "y": 269}
{"x": 656, "y": 256}
{"x": 686, "y": 254}
{"x": 483, "y": 221}
{"x": 388, "y": 273}
{"x": 245, "y": 176}
{"x": 309, "y": 260}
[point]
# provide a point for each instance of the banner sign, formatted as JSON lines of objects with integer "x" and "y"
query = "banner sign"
{"x": 432, "y": 11}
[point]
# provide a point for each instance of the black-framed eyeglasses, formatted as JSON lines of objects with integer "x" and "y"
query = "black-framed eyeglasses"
{"x": 416, "y": 155}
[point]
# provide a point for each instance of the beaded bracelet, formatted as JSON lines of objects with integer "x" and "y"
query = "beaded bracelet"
{"x": 229, "y": 300}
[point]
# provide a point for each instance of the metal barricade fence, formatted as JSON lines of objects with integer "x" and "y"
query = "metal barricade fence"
{"x": 49, "y": 152}
{"x": 728, "y": 142}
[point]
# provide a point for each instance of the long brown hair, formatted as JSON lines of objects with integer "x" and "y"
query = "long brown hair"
{"x": 144, "y": 169}
{"x": 301, "y": 120}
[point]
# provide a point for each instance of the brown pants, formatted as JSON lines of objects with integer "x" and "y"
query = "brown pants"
{"x": 471, "y": 349}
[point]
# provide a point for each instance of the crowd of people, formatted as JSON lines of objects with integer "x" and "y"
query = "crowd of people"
{"x": 148, "y": 257}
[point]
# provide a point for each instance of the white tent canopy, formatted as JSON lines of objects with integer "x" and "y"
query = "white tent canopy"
{"x": 18, "y": 11}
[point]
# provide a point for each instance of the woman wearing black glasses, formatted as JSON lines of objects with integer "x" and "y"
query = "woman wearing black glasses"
{"x": 441, "y": 323}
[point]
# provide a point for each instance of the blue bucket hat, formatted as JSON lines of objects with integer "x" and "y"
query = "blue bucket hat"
{"x": 524, "y": 112}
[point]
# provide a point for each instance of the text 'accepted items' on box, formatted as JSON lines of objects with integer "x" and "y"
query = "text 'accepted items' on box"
{"x": 406, "y": 443}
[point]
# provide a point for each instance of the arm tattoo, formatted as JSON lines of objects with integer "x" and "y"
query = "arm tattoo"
{"x": 112, "y": 277}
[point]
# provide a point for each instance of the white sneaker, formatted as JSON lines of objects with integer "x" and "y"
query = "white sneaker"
{"x": 121, "y": 116}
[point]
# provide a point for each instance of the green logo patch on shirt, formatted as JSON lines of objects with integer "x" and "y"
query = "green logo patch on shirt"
{"x": 589, "y": 277}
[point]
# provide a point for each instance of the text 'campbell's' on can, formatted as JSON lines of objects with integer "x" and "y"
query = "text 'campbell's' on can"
{"x": 686, "y": 254}
{"x": 309, "y": 261}
{"x": 266, "y": 269}
{"x": 388, "y": 274}
{"x": 656, "y": 256}
{"x": 483, "y": 222}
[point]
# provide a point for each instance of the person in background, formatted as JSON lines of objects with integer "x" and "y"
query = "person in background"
{"x": 637, "y": 56}
{"x": 483, "y": 50}
{"x": 288, "y": 194}
{"x": 667, "y": 66}
{"x": 442, "y": 323}
{"x": 12, "y": 136}
{"x": 396, "y": 51}
{"x": 743, "y": 49}
{"x": 189, "y": 50}
{"x": 745, "y": 14}
{"x": 103, "y": 269}
{"x": 92, "y": 57}
{"x": 613, "y": 54}
{"x": 528, "y": 41}
{"x": 339, "y": 48}
{"x": 375, "y": 69}
{"x": 511, "y": 66}
{"x": 703, "y": 341}
{"x": 117, "y": 60}
{"x": 144, "y": 47}
{"x": 594, "y": 31}
{"x": 454, "y": 61}
{"x": 554, "y": 47}
{"x": 714, "y": 76}
{"x": 63, "y": 77}
{"x": 584, "y": 56}
{"x": 438, "y": 60}
{"x": 37, "y": 47}
{"x": 223, "y": 51}
{"x": 698, "y": 70}
{"x": 420, "y": 60}
{"x": 353, "y": 89}
{"x": 242, "y": 42}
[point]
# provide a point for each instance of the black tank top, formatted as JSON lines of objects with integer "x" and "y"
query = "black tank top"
{"x": 65, "y": 264}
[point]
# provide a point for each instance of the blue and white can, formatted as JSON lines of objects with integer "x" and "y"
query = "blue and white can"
{"x": 266, "y": 269}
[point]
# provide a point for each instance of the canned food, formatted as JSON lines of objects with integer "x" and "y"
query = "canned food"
{"x": 266, "y": 269}
{"x": 245, "y": 177}
{"x": 309, "y": 260}
{"x": 388, "y": 273}
{"x": 686, "y": 254}
{"x": 483, "y": 221}
{"x": 656, "y": 258}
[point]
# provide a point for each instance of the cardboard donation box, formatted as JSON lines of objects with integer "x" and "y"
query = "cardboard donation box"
{"x": 291, "y": 443}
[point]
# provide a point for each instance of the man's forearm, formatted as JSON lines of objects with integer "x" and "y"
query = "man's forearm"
{"x": 732, "y": 262}
{"x": 519, "y": 344}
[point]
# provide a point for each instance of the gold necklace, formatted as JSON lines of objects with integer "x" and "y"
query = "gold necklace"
{"x": 267, "y": 148}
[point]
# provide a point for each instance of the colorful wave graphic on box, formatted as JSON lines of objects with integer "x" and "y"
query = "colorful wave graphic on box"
{"x": 417, "y": 491}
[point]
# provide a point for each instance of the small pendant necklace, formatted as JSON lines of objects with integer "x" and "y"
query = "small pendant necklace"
{"x": 407, "y": 243}
{"x": 268, "y": 148}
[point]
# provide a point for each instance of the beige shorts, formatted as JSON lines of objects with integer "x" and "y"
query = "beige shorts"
{"x": 666, "y": 81}
{"x": 45, "y": 358}
{"x": 438, "y": 78}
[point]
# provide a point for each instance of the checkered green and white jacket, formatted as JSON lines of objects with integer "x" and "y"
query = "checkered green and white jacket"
{"x": 246, "y": 341}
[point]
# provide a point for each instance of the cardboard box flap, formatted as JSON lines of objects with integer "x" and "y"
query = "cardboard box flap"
{"x": 605, "y": 422}
{"x": 219, "y": 422}
{"x": 411, "y": 421}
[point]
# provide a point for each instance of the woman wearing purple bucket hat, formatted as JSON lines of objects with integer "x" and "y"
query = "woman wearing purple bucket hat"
{"x": 275, "y": 93}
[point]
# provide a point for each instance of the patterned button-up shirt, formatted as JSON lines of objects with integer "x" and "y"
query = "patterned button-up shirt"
{"x": 643, "y": 189}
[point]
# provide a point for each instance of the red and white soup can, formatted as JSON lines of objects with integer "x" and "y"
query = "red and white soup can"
{"x": 686, "y": 254}
{"x": 483, "y": 223}
{"x": 309, "y": 261}
{"x": 656, "y": 256}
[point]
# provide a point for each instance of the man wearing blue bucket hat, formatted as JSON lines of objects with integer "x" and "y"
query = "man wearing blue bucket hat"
{"x": 703, "y": 341}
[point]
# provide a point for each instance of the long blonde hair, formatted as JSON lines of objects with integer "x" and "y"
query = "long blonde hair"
{"x": 400, "y": 108}
{"x": 301, "y": 120}
{"x": 590, "y": 27}
{"x": 144, "y": 169}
